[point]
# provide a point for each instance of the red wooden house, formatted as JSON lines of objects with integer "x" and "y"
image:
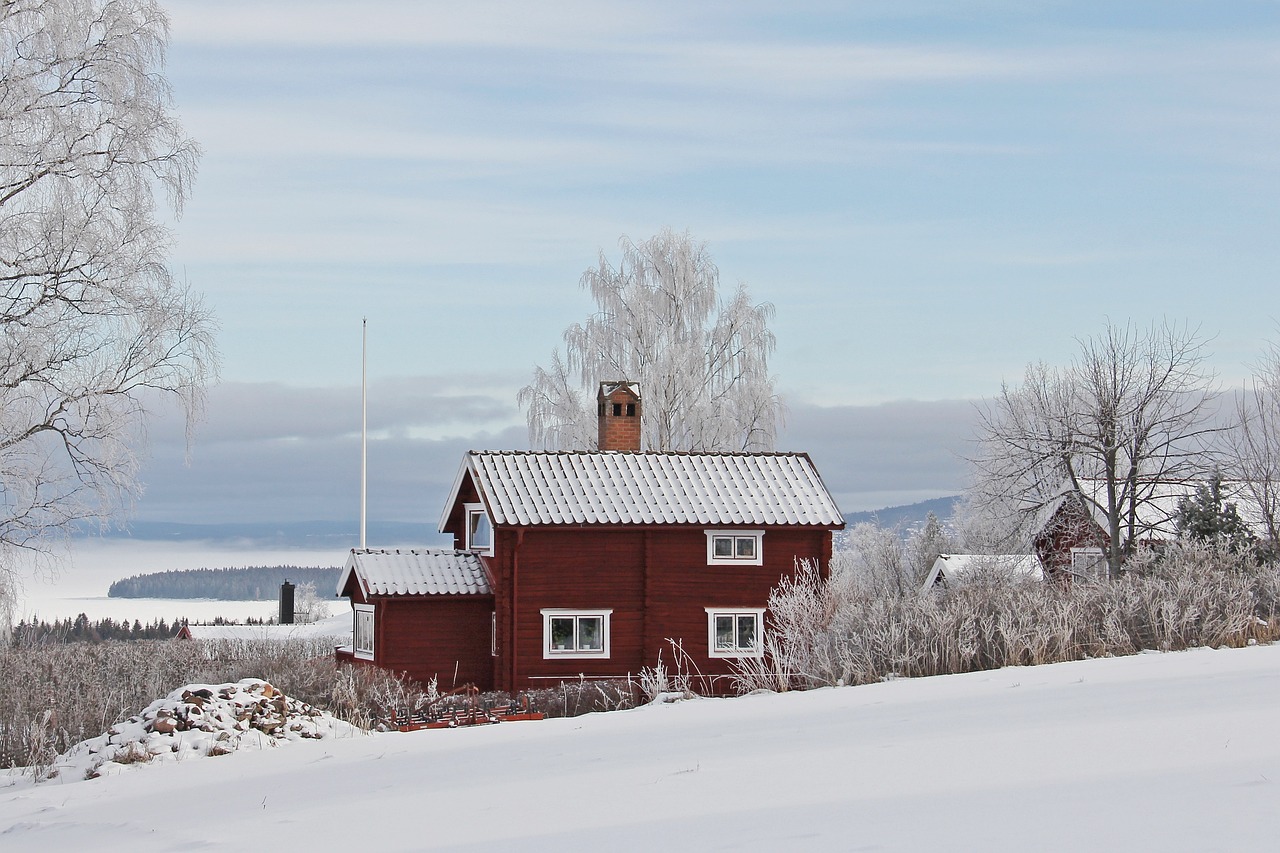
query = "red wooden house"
{"x": 593, "y": 563}
{"x": 1071, "y": 536}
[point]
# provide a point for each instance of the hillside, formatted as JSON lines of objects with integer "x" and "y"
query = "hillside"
{"x": 1151, "y": 752}
{"x": 907, "y": 515}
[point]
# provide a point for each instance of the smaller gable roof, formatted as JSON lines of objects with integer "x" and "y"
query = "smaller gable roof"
{"x": 415, "y": 571}
{"x": 955, "y": 566}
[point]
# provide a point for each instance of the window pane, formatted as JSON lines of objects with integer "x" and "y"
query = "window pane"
{"x": 747, "y": 632}
{"x": 746, "y": 547}
{"x": 562, "y": 633}
{"x": 590, "y": 634}
{"x": 722, "y": 546}
{"x": 364, "y": 631}
{"x": 724, "y": 633}
{"x": 481, "y": 531}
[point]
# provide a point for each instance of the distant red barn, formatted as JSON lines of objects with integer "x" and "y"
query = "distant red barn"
{"x": 568, "y": 564}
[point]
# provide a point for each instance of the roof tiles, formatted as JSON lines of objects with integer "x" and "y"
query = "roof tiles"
{"x": 416, "y": 571}
{"x": 528, "y": 489}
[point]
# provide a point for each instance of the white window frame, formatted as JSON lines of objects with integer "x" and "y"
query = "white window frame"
{"x": 358, "y": 612}
{"x": 757, "y": 559}
{"x": 757, "y": 651}
{"x": 1097, "y": 567}
{"x": 548, "y": 653}
{"x": 468, "y": 512}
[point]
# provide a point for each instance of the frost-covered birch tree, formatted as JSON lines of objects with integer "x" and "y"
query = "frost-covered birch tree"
{"x": 702, "y": 361}
{"x": 1253, "y": 447}
{"x": 93, "y": 324}
{"x": 1125, "y": 418}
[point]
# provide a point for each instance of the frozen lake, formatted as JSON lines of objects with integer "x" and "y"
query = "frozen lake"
{"x": 78, "y": 581}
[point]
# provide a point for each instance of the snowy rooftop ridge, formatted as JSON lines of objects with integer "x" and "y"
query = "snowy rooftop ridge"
{"x": 1158, "y": 511}
{"x": 532, "y": 488}
{"x": 415, "y": 571}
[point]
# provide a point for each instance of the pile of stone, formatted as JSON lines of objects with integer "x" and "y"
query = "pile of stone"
{"x": 201, "y": 720}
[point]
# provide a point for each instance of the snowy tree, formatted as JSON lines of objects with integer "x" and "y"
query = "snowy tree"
{"x": 1253, "y": 447}
{"x": 872, "y": 561}
{"x": 95, "y": 329}
{"x": 308, "y": 606}
{"x": 1126, "y": 418}
{"x": 701, "y": 361}
{"x": 1208, "y": 517}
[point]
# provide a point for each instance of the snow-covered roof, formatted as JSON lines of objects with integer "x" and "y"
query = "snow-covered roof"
{"x": 955, "y": 566}
{"x": 607, "y": 388}
{"x": 1158, "y": 510}
{"x": 415, "y": 571}
{"x": 521, "y": 488}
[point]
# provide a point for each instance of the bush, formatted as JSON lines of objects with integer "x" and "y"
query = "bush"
{"x": 55, "y": 695}
{"x": 827, "y": 632}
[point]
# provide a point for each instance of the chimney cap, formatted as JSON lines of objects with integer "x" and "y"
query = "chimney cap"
{"x": 608, "y": 389}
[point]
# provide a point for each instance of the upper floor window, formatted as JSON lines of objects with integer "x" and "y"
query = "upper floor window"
{"x": 734, "y": 547}
{"x": 479, "y": 529}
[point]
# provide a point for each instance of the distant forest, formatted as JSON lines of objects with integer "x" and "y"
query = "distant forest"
{"x": 83, "y": 630}
{"x": 248, "y": 583}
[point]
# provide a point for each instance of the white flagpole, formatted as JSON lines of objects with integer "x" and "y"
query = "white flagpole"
{"x": 364, "y": 423}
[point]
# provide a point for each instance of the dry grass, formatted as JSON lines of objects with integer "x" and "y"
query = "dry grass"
{"x": 835, "y": 632}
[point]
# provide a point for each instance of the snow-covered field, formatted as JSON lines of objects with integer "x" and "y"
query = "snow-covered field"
{"x": 80, "y": 583}
{"x": 1155, "y": 752}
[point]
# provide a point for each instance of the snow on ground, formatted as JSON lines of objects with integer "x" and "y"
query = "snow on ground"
{"x": 1153, "y": 752}
{"x": 336, "y": 627}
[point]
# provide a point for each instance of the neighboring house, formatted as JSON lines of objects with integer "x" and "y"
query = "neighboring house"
{"x": 1072, "y": 536}
{"x": 953, "y": 569}
{"x": 594, "y": 563}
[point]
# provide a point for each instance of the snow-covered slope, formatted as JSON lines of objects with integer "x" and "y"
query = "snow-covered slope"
{"x": 1154, "y": 752}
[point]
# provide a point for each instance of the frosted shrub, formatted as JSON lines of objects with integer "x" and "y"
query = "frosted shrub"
{"x": 53, "y": 696}
{"x": 826, "y": 632}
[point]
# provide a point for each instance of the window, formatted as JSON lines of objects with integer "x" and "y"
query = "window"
{"x": 362, "y": 631}
{"x": 1088, "y": 563}
{"x": 734, "y": 547}
{"x": 493, "y": 634}
{"x": 575, "y": 633}
{"x": 735, "y": 633}
{"x": 479, "y": 529}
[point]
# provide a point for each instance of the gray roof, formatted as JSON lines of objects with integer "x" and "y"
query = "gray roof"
{"x": 415, "y": 571}
{"x": 756, "y": 489}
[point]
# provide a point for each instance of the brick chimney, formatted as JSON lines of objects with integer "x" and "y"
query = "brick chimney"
{"x": 619, "y": 413}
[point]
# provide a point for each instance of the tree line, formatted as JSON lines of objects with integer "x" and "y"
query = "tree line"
{"x": 245, "y": 583}
{"x": 82, "y": 630}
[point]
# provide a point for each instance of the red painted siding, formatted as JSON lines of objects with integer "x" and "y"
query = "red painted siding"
{"x": 438, "y": 636}
{"x": 656, "y": 581}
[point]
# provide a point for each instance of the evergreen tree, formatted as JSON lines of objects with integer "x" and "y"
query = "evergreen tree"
{"x": 1206, "y": 517}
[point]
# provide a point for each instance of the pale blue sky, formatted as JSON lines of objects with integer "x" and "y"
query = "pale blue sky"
{"x": 932, "y": 194}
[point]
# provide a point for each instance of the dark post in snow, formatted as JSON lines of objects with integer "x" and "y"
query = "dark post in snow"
{"x": 286, "y": 603}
